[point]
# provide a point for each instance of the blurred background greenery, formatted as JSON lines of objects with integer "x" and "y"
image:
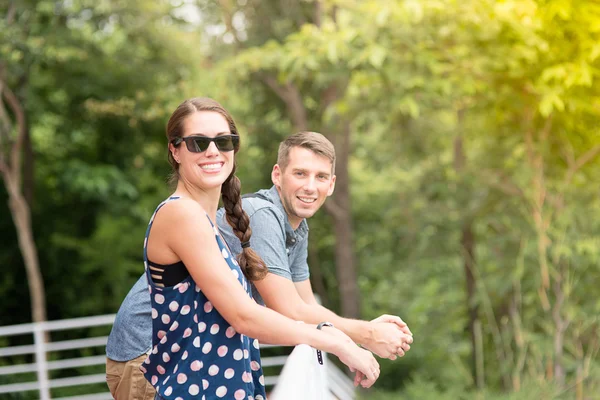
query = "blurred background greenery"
{"x": 468, "y": 140}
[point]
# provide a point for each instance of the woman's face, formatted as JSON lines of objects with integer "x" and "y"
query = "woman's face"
{"x": 210, "y": 168}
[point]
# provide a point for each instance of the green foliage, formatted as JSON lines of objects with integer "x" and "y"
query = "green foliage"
{"x": 463, "y": 114}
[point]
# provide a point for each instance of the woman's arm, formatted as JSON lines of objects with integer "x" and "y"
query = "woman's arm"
{"x": 188, "y": 233}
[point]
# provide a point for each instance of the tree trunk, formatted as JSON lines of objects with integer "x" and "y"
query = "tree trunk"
{"x": 22, "y": 218}
{"x": 10, "y": 168}
{"x": 340, "y": 208}
{"x": 467, "y": 244}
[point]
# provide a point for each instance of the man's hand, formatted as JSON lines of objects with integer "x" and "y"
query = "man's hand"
{"x": 391, "y": 337}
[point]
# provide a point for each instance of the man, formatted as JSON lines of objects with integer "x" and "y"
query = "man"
{"x": 303, "y": 178}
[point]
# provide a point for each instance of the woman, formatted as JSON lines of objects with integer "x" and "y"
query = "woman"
{"x": 203, "y": 313}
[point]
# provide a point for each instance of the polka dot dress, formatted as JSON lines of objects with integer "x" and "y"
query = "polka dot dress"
{"x": 195, "y": 353}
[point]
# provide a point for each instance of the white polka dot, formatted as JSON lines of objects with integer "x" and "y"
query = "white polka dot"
{"x": 207, "y": 348}
{"x": 213, "y": 370}
{"x": 160, "y": 369}
{"x": 150, "y": 289}
{"x": 197, "y": 342}
{"x": 159, "y": 298}
{"x": 259, "y": 397}
{"x": 238, "y": 354}
{"x": 154, "y": 380}
{"x": 187, "y": 332}
{"x": 163, "y": 340}
{"x": 175, "y": 369}
{"x": 165, "y": 319}
{"x": 208, "y": 307}
{"x": 185, "y": 310}
{"x": 173, "y": 306}
{"x": 229, "y": 373}
{"x": 246, "y": 377}
{"x": 240, "y": 394}
{"x": 204, "y": 384}
{"x": 161, "y": 334}
{"x": 183, "y": 287}
{"x": 224, "y": 253}
{"x": 194, "y": 390}
{"x": 166, "y": 357}
{"x": 256, "y": 344}
{"x": 235, "y": 273}
{"x": 222, "y": 351}
{"x": 154, "y": 313}
{"x": 154, "y": 351}
{"x": 196, "y": 365}
{"x": 174, "y": 326}
{"x": 195, "y": 304}
{"x": 246, "y": 354}
{"x": 201, "y": 327}
{"x": 261, "y": 380}
{"x": 196, "y": 318}
{"x": 221, "y": 391}
{"x": 166, "y": 379}
{"x": 169, "y": 390}
{"x": 214, "y": 329}
{"x": 230, "y": 332}
{"x": 175, "y": 348}
{"x": 254, "y": 366}
{"x": 181, "y": 378}
{"x": 197, "y": 289}
{"x": 185, "y": 355}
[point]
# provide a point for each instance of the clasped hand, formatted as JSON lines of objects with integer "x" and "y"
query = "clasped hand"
{"x": 391, "y": 337}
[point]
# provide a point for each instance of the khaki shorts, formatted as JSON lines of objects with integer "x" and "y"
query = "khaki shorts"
{"x": 126, "y": 381}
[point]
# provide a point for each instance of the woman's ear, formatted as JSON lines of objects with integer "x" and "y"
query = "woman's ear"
{"x": 174, "y": 152}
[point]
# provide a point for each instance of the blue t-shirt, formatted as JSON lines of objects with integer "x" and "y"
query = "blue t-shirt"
{"x": 283, "y": 249}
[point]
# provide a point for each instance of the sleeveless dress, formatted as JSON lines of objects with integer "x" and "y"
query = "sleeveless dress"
{"x": 196, "y": 353}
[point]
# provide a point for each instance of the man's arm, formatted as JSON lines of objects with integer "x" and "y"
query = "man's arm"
{"x": 387, "y": 339}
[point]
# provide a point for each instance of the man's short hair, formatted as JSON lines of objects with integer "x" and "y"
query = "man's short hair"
{"x": 313, "y": 141}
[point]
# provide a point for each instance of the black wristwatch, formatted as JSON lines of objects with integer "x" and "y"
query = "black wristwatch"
{"x": 319, "y": 353}
{"x": 325, "y": 323}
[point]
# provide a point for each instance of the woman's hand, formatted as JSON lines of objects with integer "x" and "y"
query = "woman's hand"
{"x": 360, "y": 361}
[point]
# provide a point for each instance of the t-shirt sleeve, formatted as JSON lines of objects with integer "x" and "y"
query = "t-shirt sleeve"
{"x": 299, "y": 265}
{"x": 268, "y": 240}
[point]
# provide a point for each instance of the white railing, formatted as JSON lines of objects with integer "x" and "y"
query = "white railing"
{"x": 339, "y": 385}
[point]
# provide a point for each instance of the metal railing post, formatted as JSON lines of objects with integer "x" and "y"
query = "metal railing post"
{"x": 40, "y": 360}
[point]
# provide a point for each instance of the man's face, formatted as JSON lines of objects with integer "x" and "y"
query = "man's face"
{"x": 304, "y": 184}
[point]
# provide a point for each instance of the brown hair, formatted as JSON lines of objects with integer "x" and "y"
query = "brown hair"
{"x": 313, "y": 141}
{"x": 252, "y": 265}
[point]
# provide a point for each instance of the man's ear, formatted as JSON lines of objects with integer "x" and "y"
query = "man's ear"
{"x": 331, "y": 186}
{"x": 276, "y": 175}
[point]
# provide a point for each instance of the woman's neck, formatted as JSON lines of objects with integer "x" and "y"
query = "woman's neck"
{"x": 207, "y": 198}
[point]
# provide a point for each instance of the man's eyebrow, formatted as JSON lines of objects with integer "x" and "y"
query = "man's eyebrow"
{"x": 298, "y": 169}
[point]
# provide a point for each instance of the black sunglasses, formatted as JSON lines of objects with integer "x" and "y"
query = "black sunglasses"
{"x": 198, "y": 144}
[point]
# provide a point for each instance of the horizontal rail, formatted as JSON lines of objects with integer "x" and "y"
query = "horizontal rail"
{"x": 55, "y": 346}
{"x": 273, "y": 361}
{"x": 62, "y": 324}
{"x": 54, "y": 365}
